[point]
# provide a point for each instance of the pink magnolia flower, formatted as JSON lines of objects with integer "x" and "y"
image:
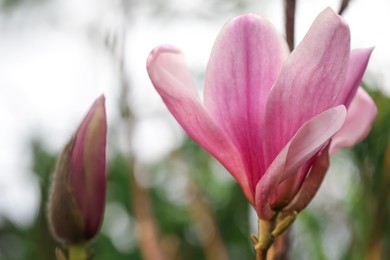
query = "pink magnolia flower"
{"x": 77, "y": 198}
{"x": 272, "y": 117}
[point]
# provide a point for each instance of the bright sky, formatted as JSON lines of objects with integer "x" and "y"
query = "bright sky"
{"x": 53, "y": 65}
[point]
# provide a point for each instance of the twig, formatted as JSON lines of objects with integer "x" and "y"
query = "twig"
{"x": 280, "y": 248}
{"x": 148, "y": 233}
{"x": 343, "y": 6}
{"x": 289, "y": 9}
{"x": 204, "y": 220}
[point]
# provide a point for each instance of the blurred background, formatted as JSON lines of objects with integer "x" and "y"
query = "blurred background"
{"x": 165, "y": 195}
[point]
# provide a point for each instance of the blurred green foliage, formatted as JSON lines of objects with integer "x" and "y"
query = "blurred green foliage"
{"x": 369, "y": 201}
{"x": 367, "y": 206}
{"x": 190, "y": 180}
{"x": 173, "y": 220}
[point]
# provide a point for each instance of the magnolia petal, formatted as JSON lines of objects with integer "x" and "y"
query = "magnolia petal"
{"x": 360, "y": 116}
{"x": 311, "y": 184}
{"x": 287, "y": 189}
{"x": 244, "y": 64}
{"x": 171, "y": 78}
{"x": 357, "y": 66}
{"x": 88, "y": 167}
{"x": 308, "y": 140}
{"x": 310, "y": 81}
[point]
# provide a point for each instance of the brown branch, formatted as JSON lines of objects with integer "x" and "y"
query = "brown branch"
{"x": 147, "y": 232}
{"x": 280, "y": 248}
{"x": 343, "y": 6}
{"x": 289, "y": 12}
{"x": 200, "y": 212}
{"x": 207, "y": 229}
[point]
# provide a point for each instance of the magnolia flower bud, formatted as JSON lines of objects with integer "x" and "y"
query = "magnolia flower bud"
{"x": 77, "y": 198}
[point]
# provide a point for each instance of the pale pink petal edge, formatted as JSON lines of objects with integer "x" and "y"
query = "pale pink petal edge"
{"x": 360, "y": 117}
{"x": 308, "y": 140}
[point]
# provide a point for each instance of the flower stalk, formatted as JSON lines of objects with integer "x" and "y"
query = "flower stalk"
{"x": 265, "y": 239}
{"x": 59, "y": 254}
{"x": 78, "y": 252}
{"x": 268, "y": 231}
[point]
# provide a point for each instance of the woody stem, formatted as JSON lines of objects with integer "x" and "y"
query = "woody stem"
{"x": 265, "y": 239}
{"x": 77, "y": 252}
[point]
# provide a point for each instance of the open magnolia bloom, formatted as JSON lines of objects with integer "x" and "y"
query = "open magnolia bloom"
{"x": 272, "y": 117}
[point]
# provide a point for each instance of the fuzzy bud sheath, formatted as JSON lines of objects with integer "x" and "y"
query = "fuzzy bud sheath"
{"x": 77, "y": 195}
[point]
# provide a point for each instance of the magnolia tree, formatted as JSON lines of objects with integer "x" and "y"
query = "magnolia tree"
{"x": 272, "y": 117}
